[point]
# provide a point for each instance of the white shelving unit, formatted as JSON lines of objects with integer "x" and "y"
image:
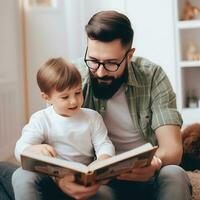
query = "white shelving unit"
{"x": 188, "y": 70}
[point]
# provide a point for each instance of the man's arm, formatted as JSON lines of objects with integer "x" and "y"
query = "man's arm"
{"x": 170, "y": 144}
{"x": 169, "y": 152}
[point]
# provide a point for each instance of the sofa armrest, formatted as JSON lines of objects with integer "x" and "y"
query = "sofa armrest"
{"x": 6, "y": 171}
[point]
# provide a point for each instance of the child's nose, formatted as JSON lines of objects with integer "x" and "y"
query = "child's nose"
{"x": 73, "y": 101}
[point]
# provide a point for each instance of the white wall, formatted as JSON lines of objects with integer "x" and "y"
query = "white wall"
{"x": 153, "y": 22}
{"x": 11, "y": 90}
{"x": 62, "y": 33}
{"x": 46, "y": 37}
{"x": 9, "y": 40}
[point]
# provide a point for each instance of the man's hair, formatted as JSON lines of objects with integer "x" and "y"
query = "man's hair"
{"x": 57, "y": 74}
{"x": 107, "y": 26}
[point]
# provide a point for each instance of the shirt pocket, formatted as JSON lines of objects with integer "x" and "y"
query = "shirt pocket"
{"x": 145, "y": 119}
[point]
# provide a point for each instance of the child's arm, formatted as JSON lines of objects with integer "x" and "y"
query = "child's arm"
{"x": 43, "y": 149}
{"x": 102, "y": 144}
{"x": 33, "y": 133}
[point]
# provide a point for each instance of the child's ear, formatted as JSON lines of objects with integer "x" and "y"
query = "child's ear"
{"x": 45, "y": 96}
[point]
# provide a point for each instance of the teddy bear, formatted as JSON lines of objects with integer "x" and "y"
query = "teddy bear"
{"x": 191, "y": 147}
{"x": 192, "y": 53}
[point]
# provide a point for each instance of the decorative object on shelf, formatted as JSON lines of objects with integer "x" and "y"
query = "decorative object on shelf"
{"x": 41, "y": 3}
{"x": 192, "y": 53}
{"x": 189, "y": 11}
{"x": 192, "y": 100}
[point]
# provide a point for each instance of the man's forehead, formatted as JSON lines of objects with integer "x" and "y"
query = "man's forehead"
{"x": 105, "y": 50}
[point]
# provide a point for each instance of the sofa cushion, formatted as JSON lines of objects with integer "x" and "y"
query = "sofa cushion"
{"x": 195, "y": 181}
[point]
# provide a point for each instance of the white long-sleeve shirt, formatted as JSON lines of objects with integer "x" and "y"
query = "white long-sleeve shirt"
{"x": 74, "y": 138}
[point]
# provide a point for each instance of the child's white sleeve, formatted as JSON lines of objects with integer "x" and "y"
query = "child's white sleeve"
{"x": 32, "y": 133}
{"x": 101, "y": 141}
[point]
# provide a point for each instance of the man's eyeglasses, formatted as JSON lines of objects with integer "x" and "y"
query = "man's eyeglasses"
{"x": 109, "y": 66}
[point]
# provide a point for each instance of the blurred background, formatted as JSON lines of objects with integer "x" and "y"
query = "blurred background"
{"x": 32, "y": 31}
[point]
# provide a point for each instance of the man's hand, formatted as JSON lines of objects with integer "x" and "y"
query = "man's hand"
{"x": 142, "y": 173}
{"x": 43, "y": 149}
{"x": 80, "y": 192}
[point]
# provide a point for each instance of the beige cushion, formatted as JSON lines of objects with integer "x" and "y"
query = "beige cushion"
{"x": 195, "y": 181}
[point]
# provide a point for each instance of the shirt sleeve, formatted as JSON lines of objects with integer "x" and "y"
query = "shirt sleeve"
{"x": 164, "y": 111}
{"x": 102, "y": 143}
{"x": 32, "y": 133}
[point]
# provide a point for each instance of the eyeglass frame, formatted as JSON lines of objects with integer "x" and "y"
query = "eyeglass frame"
{"x": 103, "y": 63}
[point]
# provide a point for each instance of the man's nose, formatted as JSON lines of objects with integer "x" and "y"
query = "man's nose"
{"x": 101, "y": 71}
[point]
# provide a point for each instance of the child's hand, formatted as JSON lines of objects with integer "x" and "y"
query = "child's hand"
{"x": 103, "y": 157}
{"x": 43, "y": 149}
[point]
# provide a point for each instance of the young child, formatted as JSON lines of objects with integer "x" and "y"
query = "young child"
{"x": 64, "y": 129}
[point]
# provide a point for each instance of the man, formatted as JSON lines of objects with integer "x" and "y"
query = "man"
{"x": 138, "y": 105}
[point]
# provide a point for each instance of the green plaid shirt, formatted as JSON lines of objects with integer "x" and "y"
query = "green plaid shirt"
{"x": 150, "y": 97}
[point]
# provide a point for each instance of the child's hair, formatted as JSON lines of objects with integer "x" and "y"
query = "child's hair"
{"x": 57, "y": 74}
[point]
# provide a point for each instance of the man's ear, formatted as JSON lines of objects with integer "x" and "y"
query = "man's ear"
{"x": 130, "y": 54}
{"x": 45, "y": 96}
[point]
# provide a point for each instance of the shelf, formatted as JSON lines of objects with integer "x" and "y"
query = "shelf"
{"x": 188, "y": 73}
{"x": 40, "y": 7}
{"x": 194, "y": 110}
{"x": 190, "y": 115}
{"x": 189, "y": 24}
{"x": 189, "y": 64}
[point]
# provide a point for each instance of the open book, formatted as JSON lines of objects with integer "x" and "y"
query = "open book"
{"x": 93, "y": 173}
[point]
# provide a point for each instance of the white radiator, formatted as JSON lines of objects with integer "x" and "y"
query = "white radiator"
{"x": 9, "y": 121}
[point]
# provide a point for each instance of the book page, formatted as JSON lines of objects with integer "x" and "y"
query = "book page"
{"x": 124, "y": 166}
{"x": 42, "y": 163}
{"x": 128, "y": 154}
{"x": 115, "y": 169}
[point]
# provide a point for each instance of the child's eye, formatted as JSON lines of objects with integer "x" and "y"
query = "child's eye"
{"x": 65, "y": 97}
{"x": 77, "y": 93}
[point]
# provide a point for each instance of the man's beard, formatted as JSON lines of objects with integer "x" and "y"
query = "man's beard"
{"x": 104, "y": 90}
